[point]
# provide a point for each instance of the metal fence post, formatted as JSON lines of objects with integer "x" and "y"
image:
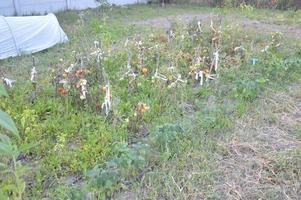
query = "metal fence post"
{"x": 15, "y": 9}
{"x": 67, "y": 4}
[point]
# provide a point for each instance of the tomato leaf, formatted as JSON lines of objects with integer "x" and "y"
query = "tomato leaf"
{"x": 7, "y": 123}
{"x": 3, "y": 91}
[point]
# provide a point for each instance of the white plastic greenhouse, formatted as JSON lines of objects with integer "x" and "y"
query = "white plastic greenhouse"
{"x": 25, "y": 35}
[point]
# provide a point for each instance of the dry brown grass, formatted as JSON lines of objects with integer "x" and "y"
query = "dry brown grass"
{"x": 264, "y": 159}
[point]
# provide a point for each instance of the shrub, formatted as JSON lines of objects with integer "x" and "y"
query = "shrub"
{"x": 279, "y": 4}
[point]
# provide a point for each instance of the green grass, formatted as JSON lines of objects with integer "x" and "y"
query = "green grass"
{"x": 272, "y": 16}
{"x": 168, "y": 152}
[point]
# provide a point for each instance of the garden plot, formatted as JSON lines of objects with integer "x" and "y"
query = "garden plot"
{"x": 147, "y": 113}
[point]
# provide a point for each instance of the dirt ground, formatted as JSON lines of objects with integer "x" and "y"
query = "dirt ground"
{"x": 166, "y": 22}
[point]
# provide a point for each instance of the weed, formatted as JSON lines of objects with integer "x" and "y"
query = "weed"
{"x": 12, "y": 170}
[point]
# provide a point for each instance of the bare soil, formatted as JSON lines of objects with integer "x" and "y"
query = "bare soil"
{"x": 244, "y": 22}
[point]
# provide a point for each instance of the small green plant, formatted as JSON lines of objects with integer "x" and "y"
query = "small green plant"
{"x": 246, "y": 90}
{"x": 246, "y": 7}
{"x": 12, "y": 170}
{"x": 166, "y": 139}
{"x": 126, "y": 163}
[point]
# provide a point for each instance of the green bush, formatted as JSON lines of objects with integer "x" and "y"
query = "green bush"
{"x": 279, "y": 4}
